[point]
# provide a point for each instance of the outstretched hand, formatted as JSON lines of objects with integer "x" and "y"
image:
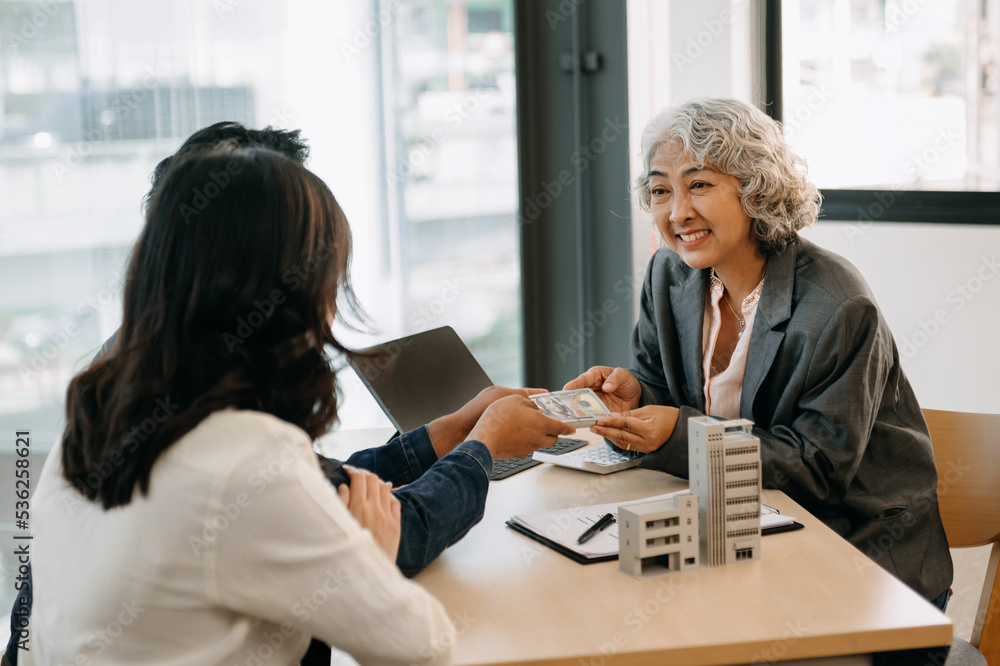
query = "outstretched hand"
{"x": 513, "y": 427}
{"x": 617, "y": 388}
{"x": 644, "y": 429}
{"x": 451, "y": 430}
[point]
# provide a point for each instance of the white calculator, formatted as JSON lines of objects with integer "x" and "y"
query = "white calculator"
{"x": 601, "y": 459}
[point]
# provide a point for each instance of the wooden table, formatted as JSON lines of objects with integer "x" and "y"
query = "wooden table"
{"x": 812, "y": 594}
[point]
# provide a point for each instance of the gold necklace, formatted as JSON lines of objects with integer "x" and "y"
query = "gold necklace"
{"x": 743, "y": 322}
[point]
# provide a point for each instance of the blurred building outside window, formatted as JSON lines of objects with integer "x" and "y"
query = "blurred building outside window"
{"x": 894, "y": 94}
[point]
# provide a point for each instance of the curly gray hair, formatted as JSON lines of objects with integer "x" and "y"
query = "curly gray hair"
{"x": 739, "y": 140}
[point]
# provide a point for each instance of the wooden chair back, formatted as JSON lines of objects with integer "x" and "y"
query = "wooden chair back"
{"x": 967, "y": 453}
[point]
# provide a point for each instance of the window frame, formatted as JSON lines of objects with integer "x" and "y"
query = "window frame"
{"x": 868, "y": 205}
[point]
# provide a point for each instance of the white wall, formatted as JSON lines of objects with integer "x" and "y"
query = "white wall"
{"x": 938, "y": 286}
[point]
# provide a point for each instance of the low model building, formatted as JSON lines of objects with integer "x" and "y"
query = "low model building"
{"x": 659, "y": 536}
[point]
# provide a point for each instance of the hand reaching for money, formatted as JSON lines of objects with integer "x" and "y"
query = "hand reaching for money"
{"x": 513, "y": 427}
{"x": 450, "y": 430}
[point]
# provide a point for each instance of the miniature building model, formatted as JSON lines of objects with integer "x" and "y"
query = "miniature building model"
{"x": 658, "y": 537}
{"x": 724, "y": 470}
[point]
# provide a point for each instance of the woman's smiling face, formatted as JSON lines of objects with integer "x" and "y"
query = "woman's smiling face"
{"x": 698, "y": 210}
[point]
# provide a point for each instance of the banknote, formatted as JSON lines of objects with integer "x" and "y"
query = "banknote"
{"x": 578, "y": 407}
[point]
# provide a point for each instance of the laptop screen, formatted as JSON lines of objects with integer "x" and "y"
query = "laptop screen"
{"x": 420, "y": 377}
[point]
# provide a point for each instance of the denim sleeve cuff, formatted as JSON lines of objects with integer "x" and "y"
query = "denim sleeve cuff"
{"x": 478, "y": 452}
{"x": 419, "y": 450}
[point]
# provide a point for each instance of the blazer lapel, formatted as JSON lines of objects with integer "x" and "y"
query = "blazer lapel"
{"x": 687, "y": 300}
{"x": 773, "y": 308}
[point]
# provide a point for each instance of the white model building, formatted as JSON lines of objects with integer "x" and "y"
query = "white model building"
{"x": 658, "y": 537}
{"x": 724, "y": 470}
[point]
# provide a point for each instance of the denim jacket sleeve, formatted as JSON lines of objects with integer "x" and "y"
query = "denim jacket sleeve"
{"x": 440, "y": 499}
{"x": 402, "y": 460}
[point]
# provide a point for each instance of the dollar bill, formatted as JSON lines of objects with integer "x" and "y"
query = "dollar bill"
{"x": 578, "y": 407}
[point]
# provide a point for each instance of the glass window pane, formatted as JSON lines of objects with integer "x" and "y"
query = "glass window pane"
{"x": 450, "y": 251}
{"x": 893, "y": 93}
{"x": 94, "y": 93}
{"x": 452, "y": 181}
{"x": 408, "y": 108}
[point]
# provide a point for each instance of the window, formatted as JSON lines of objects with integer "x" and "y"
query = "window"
{"x": 451, "y": 155}
{"x": 94, "y": 94}
{"x": 913, "y": 90}
{"x": 408, "y": 108}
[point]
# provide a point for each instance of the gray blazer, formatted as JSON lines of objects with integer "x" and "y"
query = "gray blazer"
{"x": 840, "y": 429}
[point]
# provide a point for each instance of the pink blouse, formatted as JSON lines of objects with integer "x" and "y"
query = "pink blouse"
{"x": 724, "y": 386}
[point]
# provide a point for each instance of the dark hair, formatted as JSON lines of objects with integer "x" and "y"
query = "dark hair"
{"x": 230, "y": 294}
{"x": 234, "y": 135}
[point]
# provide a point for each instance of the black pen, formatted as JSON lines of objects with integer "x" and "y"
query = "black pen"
{"x": 596, "y": 527}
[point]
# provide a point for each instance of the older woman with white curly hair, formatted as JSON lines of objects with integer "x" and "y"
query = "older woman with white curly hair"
{"x": 742, "y": 318}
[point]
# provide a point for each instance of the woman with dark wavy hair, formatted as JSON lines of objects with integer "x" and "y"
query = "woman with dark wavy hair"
{"x": 742, "y": 318}
{"x": 184, "y": 517}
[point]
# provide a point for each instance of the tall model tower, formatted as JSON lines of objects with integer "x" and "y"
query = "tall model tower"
{"x": 724, "y": 469}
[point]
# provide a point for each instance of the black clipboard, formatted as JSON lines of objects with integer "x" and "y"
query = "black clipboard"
{"x": 559, "y": 548}
{"x": 791, "y": 527}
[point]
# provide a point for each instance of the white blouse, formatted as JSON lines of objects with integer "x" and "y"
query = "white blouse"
{"x": 241, "y": 551}
{"x": 724, "y": 386}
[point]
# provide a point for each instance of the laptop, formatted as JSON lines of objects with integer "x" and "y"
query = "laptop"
{"x": 420, "y": 377}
